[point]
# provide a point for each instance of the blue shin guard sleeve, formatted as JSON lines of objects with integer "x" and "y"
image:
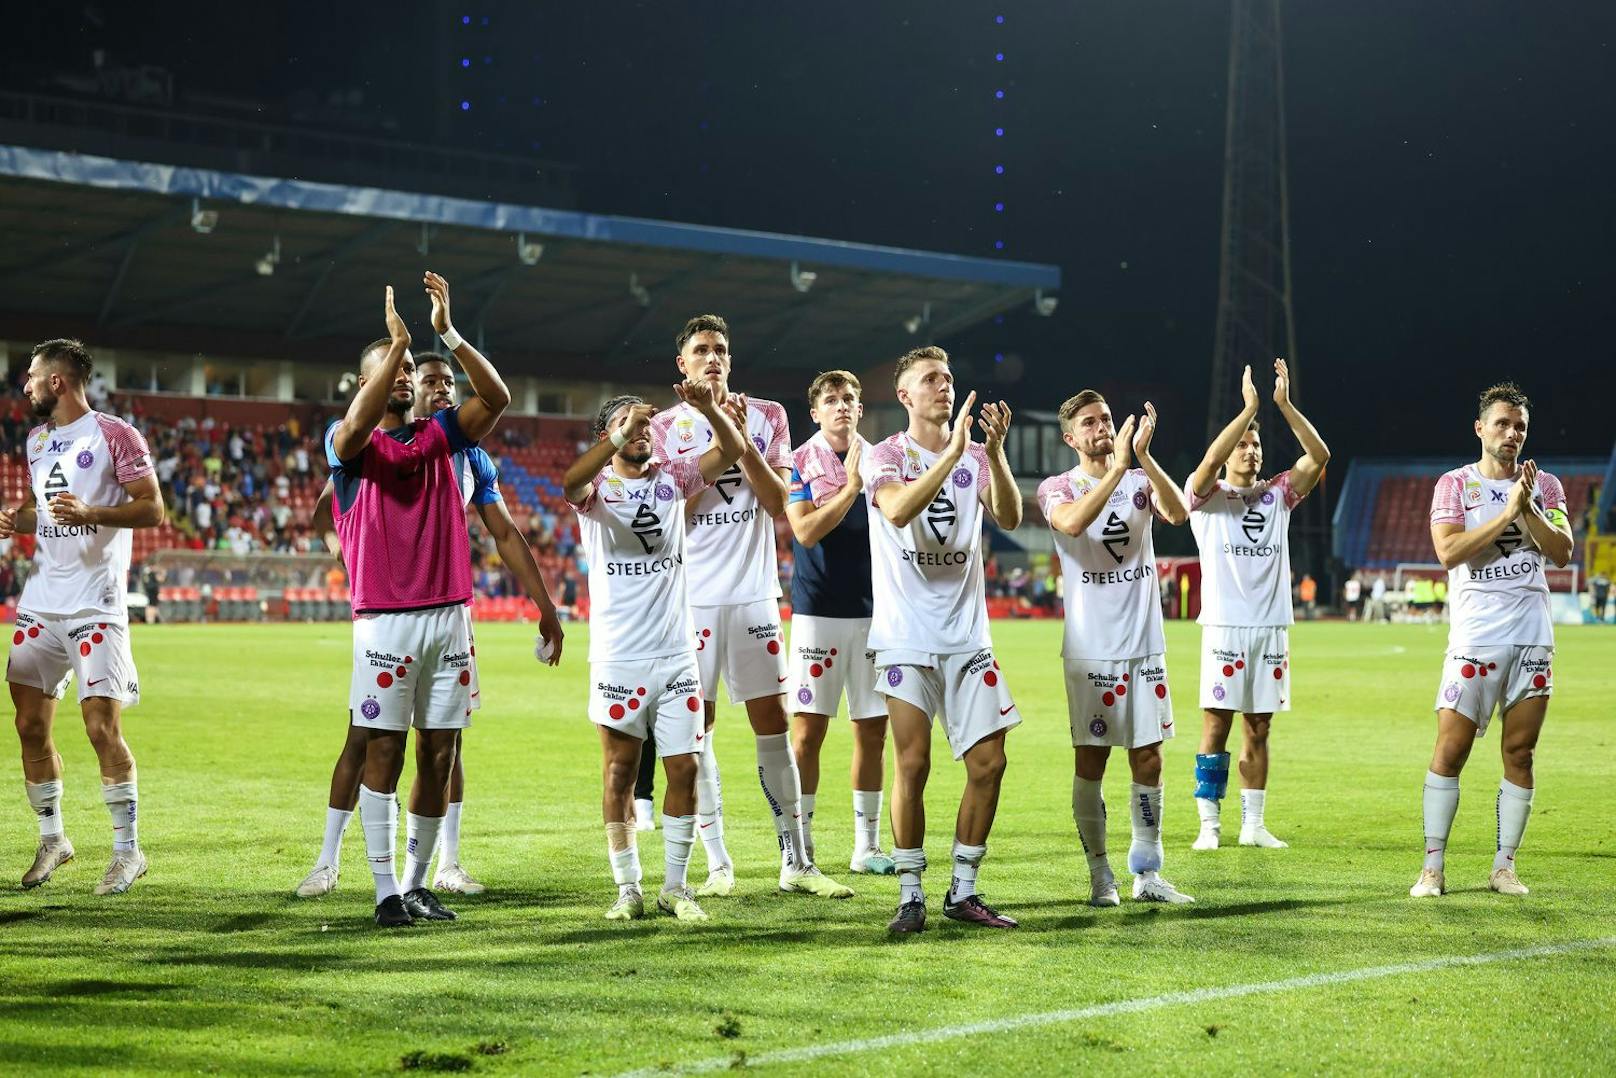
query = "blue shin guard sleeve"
{"x": 1211, "y": 775}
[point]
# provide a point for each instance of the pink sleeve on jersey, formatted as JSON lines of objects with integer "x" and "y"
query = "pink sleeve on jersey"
{"x": 131, "y": 456}
{"x": 885, "y": 466}
{"x": 1196, "y": 500}
{"x": 819, "y": 467}
{"x": 686, "y": 473}
{"x": 984, "y": 479}
{"x": 1282, "y": 483}
{"x": 1550, "y": 490}
{"x": 1054, "y": 491}
{"x": 1447, "y": 504}
{"x": 659, "y": 434}
{"x": 777, "y": 454}
{"x": 589, "y": 499}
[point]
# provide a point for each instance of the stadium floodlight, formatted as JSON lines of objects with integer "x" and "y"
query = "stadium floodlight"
{"x": 528, "y": 251}
{"x": 802, "y": 280}
{"x": 203, "y": 221}
{"x": 346, "y": 383}
{"x": 641, "y": 294}
{"x": 272, "y": 258}
{"x": 1044, "y": 305}
{"x": 914, "y": 322}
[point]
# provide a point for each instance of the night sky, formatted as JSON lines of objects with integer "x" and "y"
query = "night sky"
{"x": 1452, "y": 166}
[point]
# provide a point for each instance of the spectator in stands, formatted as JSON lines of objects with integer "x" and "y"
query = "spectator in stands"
{"x": 1352, "y": 597}
{"x": 1377, "y": 600}
{"x": 1598, "y": 595}
{"x": 1308, "y": 589}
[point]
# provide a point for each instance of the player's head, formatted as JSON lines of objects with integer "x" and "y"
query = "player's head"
{"x": 1086, "y": 424}
{"x": 1246, "y": 461}
{"x": 1501, "y": 422}
{"x": 704, "y": 349}
{"x": 613, "y": 415}
{"x": 835, "y": 402}
{"x": 925, "y": 384}
{"x": 57, "y": 369}
{"x": 434, "y": 383}
{"x": 401, "y": 401}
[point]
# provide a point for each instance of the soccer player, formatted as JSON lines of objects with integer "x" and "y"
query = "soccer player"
{"x": 735, "y": 603}
{"x": 399, "y": 514}
{"x": 433, "y": 391}
{"x": 1114, "y": 651}
{"x": 92, "y": 483}
{"x": 1240, "y": 524}
{"x": 1494, "y": 523}
{"x": 830, "y": 611}
{"x": 642, "y": 657}
{"x": 932, "y": 487}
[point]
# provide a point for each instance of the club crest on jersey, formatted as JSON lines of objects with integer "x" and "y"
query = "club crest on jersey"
{"x": 962, "y": 477}
{"x": 1098, "y": 727}
{"x": 1139, "y": 499}
{"x": 805, "y": 695}
{"x": 757, "y": 440}
{"x": 1218, "y": 693}
{"x": 894, "y": 676}
{"x": 1267, "y": 497}
{"x": 664, "y": 493}
{"x": 85, "y": 459}
{"x": 1451, "y": 693}
{"x": 370, "y": 708}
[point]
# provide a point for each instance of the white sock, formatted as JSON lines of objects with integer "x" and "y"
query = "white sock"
{"x": 1088, "y": 812}
{"x": 1514, "y": 806}
{"x": 967, "y": 861}
{"x": 623, "y": 849}
{"x": 1145, "y": 854}
{"x": 120, "y": 798}
{"x": 336, "y": 824}
{"x": 782, "y": 789}
{"x": 1251, "y": 809}
{"x": 420, "y": 839}
{"x": 866, "y": 820}
{"x": 378, "y": 815}
{"x": 46, "y": 800}
{"x": 644, "y": 809}
{"x": 1441, "y": 805}
{"x": 678, "y": 835}
{"x": 710, "y": 805}
{"x": 808, "y": 801}
{"x": 911, "y": 863}
{"x": 449, "y": 837}
{"x": 1210, "y": 811}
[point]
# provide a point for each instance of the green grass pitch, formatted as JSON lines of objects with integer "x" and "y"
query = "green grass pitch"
{"x": 209, "y": 965}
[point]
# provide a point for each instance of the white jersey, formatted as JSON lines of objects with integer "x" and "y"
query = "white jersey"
{"x": 731, "y": 537}
{"x": 634, "y": 540}
{"x": 1500, "y": 596}
{"x": 83, "y": 568}
{"x": 1113, "y": 607}
{"x": 927, "y": 581}
{"x": 1245, "y": 551}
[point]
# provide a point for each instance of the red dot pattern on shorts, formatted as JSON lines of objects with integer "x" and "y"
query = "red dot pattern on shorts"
{"x": 96, "y": 638}
{"x": 1467, "y": 671}
{"x": 1122, "y": 690}
{"x": 692, "y": 703}
{"x": 384, "y": 679}
{"x": 1161, "y": 692}
{"x": 633, "y": 703}
{"x": 774, "y": 647}
{"x": 1279, "y": 675}
{"x": 19, "y": 638}
{"x": 465, "y": 677}
{"x": 1240, "y": 664}
{"x": 84, "y": 648}
{"x": 1228, "y": 671}
{"x": 1108, "y": 699}
{"x": 616, "y": 711}
{"x": 815, "y": 670}
{"x": 990, "y": 678}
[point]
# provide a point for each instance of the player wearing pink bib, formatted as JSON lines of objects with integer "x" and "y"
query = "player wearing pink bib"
{"x": 1113, "y": 649}
{"x": 399, "y": 514}
{"x": 1241, "y": 524}
{"x": 735, "y": 603}
{"x": 92, "y": 483}
{"x": 642, "y": 653}
{"x": 1495, "y": 524}
{"x": 930, "y": 488}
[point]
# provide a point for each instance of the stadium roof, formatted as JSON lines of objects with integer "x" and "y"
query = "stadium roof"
{"x": 110, "y": 245}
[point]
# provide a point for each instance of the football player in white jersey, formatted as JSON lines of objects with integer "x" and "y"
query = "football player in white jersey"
{"x": 1240, "y": 524}
{"x": 1495, "y": 525}
{"x": 92, "y": 483}
{"x": 1113, "y": 649}
{"x": 735, "y": 603}
{"x": 642, "y": 656}
{"x": 930, "y": 488}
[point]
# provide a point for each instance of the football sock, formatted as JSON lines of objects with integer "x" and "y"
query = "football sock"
{"x": 378, "y": 815}
{"x": 420, "y": 839}
{"x": 1514, "y": 806}
{"x": 866, "y": 820}
{"x": 678, "y": 835}
{"x": 710, "y": 805}
{"x": 1088, "y": 812}
{"x": 1441, "y": 805}
{"x": 911, "y": 863}
{"x": 623, "y": 848}
{"x": 449, "y": 837}
{"x": 45, "y": 798}
{"x": 336, "y": 824}
{"x": 808, "y": 801}
{"x": 1145, "y": 854}
{"x": 782, "y": 788}
{"x": 120, "y": 798}
{"x": 967, "y": 862}
{"x": 1251, "y": 809}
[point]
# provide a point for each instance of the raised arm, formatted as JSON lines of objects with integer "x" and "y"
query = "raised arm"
{"x": 1004, "y": 497}
{"x": 518, "y": 558}
{"x": 1455, "y": 546}
{"x": 901, "y": 503}
{"x": 1549, "y": 528}
{"x": 581, "y": 475}
{"x": 809, "y": 522}
{"x": 1170, "y": 504}
{"x": 352, "y": 432}
{"x": 729, "y": 440}
{"x": 1205, "y": 476}
{"x": 1073, "y": 518}
{"x": 479, "y": 414}
{"x": 1309, "y": 466}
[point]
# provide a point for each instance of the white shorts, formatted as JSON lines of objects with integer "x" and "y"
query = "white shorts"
{"x": 1119, "y": 702}
{"x": 411, "y": 668}
{"x": 46, "y": 650}
{"x": 829, "y": 655}
{"x": 471, "y": 646}
{"x": 742, "y": 644}
{"x": 1246, "y": 669}
{"x": 661, "y": 696}
{"x": 965, "y": 689}
{"x": 1479, "y": 681}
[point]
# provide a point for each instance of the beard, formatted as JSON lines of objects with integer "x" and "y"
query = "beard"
{"x": 635, "y": 457}
{"x": 401, "y": 407}
{"x": 44, "y": 407}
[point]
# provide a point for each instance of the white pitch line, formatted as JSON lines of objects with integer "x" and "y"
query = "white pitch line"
{"x": 1121, "y": 1006}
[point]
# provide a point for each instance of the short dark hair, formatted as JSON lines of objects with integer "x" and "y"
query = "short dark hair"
{"x": 832, "y": 380}
{"x": 432, "y": 357}
{"x": 609, "y": 409}
{"x": 702, "y": 323}
{"x": 70, "y": 355}
{"x": 1503, "y": 393}
{"x": 917, "y": 355}
{"x": 380, "y": 344}
{"x": 1254, "y": 425}
{"x": 1076, "y": 403}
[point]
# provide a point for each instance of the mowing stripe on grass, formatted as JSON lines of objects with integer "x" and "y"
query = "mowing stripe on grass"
{"x": 1121, "y": 1006}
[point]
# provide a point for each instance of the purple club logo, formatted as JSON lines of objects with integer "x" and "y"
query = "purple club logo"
{"x": 370, "y": 709}
{"x": 1139, "y": 499}
{"x": 85, "y": 459}
{"x": 894, "y": 676}
{"x": 664, "y": 493}
{"x": 805, "y": 695}
{"x": 1451, "y": 693}
{"x": 757, "y": 440}
{"x": 1268, "y": 497}
{"x": 1098, "y": 727}
{"x": 962, "y": 477}
{"x": 1218, "y": 694}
